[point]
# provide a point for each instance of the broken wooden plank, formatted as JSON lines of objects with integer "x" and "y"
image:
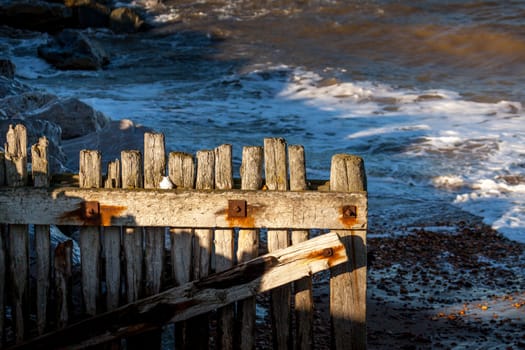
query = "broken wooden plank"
{"x": 195, "y": 298}
{"x": 183, "y": 208}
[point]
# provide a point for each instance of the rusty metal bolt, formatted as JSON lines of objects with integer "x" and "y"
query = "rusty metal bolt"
{"x": 327, "y": 252}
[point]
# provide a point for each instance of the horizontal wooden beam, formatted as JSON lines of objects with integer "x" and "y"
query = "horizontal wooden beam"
{"x": 183, "y": 208}
{"x": 195, "y": 298}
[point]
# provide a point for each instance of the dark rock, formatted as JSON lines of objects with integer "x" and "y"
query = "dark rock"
{"x": 35, "y": 15}
{"x": 74, "y": 117}
{"x": 9, "y": 87}
{"x": 7, "y": 68}
{"x": 125, "y": 20}
{"x": 89, "y": 13}
{"x": 72, "y": 49}
{"x": 18, "y": 105}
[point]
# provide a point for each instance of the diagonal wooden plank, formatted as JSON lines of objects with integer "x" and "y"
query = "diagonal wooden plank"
{"x": 195, "y": 298}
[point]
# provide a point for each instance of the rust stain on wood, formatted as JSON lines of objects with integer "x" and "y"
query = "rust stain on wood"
{"x": 333, "y": 255}
{"x": 348, "y": 216}
{"x": 241, "y": 222}
{"x": 103, "y": 218}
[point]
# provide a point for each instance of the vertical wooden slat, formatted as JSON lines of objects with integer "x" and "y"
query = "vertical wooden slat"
{"x": 198, "y": 338}
{"x": 132, "y": 236}
{"x": 90, "y": 176}
{"x": 111, "y": 244}
{"x": 224, "y": 246}
{"x": 16, "y": 156}
{"x": 348, "y": 280}
{"x": 3, "y": 282}
{"x": 63, "y": 282}
{"x": 303, "y": 298}
{"x": 154, "y": 170}
{"x": 16, "y": 175}
{"x": 276, "y": 171}
{"x": 181, "y": 170}
{"x": 154, "y": 240}
{"x": 2, "y": 168}
{"x": 41, "y": 178}
{"x": 3, "y": 260}
{"x": 248, "y": 242}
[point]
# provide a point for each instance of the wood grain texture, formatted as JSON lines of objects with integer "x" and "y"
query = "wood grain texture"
{"x": 41, "y": 178}
{"x": 182, "y": 208}
{"x": 303, "y": 297}
{"x": 196, "y": 298}
{"x": 348, "y": 281}
{"x": 63, "y": 282}
{"x": 90, "y": 176}
{"x": 276, "y": 171}
{"x": 16, "y": 176}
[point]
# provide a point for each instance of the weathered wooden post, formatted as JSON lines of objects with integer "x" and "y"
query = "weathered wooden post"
{"x": 132, "y": 236}
{"x": 90, "y": 176}
{"x": 41, "y": 178}
{"x": 63, "y": 282}
{"x": 348, "y": 281}
{"x": 224, "y": 246}
{"x": 304, "y": 307}
{"x": 181, "y": 170}
{"x": 248, "y": 242}
{"x": 3, "y": 261}
{"x": 202, "y": 247}
{"x": 154, "y": 171}
{"x": 276, "y": 170}
{"x": 111, "y": 244}
{"x": 16, "y": 176}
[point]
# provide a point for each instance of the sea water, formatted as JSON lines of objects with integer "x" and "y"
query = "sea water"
{"x": 429, "y": 94}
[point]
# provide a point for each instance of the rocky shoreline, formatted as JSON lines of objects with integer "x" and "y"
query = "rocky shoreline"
{"x": 68, "y": 123}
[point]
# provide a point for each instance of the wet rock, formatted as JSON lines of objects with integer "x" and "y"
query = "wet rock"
{"x": 74, "y": 117}
{"x": 126, "y": 20}
{"x": 17, "y": 105}
{"x": 89, "y": 13}
{"x": 7, "y": 68}
{"x": 72, "y": 49}
{"x": 35, "y": 15}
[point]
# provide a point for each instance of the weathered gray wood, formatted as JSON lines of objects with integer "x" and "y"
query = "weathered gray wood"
{"x": 154, "y": 159}
{"x": 132, "y": 237}
{"x": 132, "y": 171}
{"x": 181, "y": 169}
{"x": 113, "y": 178}
{"x": 41, "y": 178}
{"x": 182, "y": 208}
{"x": 90, "y": 176}
{"x": 348, "y": 281}
{"x": 111, "y": 245}
{"x": 197, "y": 336}
{"x": 40, "y": 163}
{"x": 195, "y": 298}
{"x": 154, "y": 170}
{"x": 16, "y": 156}
{"x": 248, "y": 242}
{"x": 303, "y": 298}
{"x": 63, "y": 282}
{"x": 154, "y": 240}
{"x": 16, "y": 175}
{"x": 2, "y": 168}
{"x": 3, "y": 282}
{"x": 224, "y": 247}
{"x": 276, "y": 172}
